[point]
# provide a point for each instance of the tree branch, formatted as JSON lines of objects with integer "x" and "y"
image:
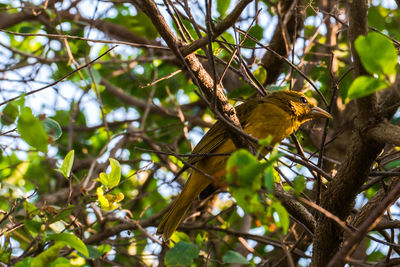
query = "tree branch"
{"x": 213, "y": 92}
{"x": 218, "y": 29}
{"x": 284, "y": 32}
{"x": 369, "y": 223}
{"x": 385, "y": 132}
{"x": 342, "y": 190}
{"x": 295, "y": 208}
{"x": 372, "y": 204}
{"x": 367, "y": 106}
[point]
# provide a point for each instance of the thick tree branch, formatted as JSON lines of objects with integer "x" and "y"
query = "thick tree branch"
{"x": 218, "y": 29}
{"x": 385, "y": 132}
{"x": 113, "y": 30}
{"x": 342, "y": 190}
{"x": 213, "y": 92}
{"x": 119, "y": 33}
{"x": 151, "y": 10}
{"x": 291, "y": 23}
{"x": 7, "y": 20}
{"x": 367, "y": 106}
{"x": 385, "y": 224}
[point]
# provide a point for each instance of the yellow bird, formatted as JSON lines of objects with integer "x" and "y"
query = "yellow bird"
{"x": 278, "y": 115}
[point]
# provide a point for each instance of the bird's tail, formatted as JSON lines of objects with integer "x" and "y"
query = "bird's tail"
{"x": 174, "y": 216}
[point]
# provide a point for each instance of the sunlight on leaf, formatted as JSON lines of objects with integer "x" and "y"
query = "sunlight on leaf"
{"x": 66, "y": 166}
{"x": 365, "y": 85}
{"x": 31, "y": 130}
{"x": 71, "y": 240}
{"x": 377, "y": 53}
{"x": 111, "y": 180}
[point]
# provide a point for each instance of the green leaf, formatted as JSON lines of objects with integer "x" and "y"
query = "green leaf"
{"x": 95, "y": 253}
{"x": 267, "y": 168}
{"x": 269, "y": 178}
{"x": 110, "y": 201}
{"x": 61, "y": 262}
{"x": 234, "y": 257}
{"x": 241, "y": 158}
{"x": 24, "y": 263}
{"x": 248, "y": 200}
{"x": 266, "y": 141}
{"x": 100, "y": 88}
{"x": 31, "y": 130}
{"x": 27, "y": 29}
{"x": 242, "y": 91}
{"x": 111, "y": 180}
{"x": 222, "y": 6}
{"x": 115, "y": 176}
{"x": 261, "y": 74}
{"x": 183, "y": 253}
{"x": 47, "y": 256}
{"x": 377, "y": 53}
{"x": 34, "y": 227}
{"x": 240, "y": 166}
{"x": 57, "y": 227}
{"x": 365, "y": 85}
{"x": 244, "y": 177}
{"x": 274, "y": 156}
{"x": 20, "y": 101}
{"x": 392, "y": 164}
{"x": 10, "y": 113}
{"x": 299, "y": 184}
{"x": 274, "y": 88}
{"x": 30, "y": 208}
{"x": 283, "y": 216}
{"x": 103, "y": 249}
{"x": 376, "y": 18}
{"x": 96, "y": 76}
{"x": 257, "y": 32}
{"x": 52, "y": 128}
{"x": 71, "y": 240}
{"x": 103, "y": 178}
{"x": 66, "y": 166}
{"x": 178, "y": 237}
{"x": 140, "y": 24}
{"x": 64, "y": 213}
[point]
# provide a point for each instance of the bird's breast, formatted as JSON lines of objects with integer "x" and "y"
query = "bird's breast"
{"x": 269, "y": 120}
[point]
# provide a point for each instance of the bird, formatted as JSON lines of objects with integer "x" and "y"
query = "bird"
{"x": 278, "y": 114}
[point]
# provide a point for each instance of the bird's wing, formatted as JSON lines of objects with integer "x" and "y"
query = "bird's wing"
{"x": 210, "y": 141}
{"x": 215, "y": 137}
{"x": 217, "y": 134}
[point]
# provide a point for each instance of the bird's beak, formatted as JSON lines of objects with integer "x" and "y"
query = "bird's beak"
{"x": 317, "y": 112}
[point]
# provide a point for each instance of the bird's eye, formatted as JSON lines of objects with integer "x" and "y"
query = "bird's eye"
{"x": 303, "y": 100}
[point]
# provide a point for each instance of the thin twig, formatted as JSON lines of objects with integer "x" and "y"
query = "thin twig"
{"x": 59, "y": 80}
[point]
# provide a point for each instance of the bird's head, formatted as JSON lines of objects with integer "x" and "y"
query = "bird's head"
{"x": 299, "y": 106}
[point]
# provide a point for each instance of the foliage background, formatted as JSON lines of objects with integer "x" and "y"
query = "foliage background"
{"x": 142, "y": 105}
